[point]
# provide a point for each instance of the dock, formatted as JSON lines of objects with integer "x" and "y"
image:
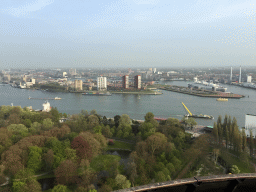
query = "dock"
{"x": 201, "y": 93}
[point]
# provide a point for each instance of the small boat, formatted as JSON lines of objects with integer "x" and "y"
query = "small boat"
{"x": 57, "y": 98}
{"x": 222, "y": 99}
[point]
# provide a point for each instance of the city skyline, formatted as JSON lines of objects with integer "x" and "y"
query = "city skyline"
{"x": 124, "y": 33}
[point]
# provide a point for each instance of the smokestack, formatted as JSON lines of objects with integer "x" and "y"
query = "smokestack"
{"x": 231, "y": 75}
{"x": 240, "y": 75}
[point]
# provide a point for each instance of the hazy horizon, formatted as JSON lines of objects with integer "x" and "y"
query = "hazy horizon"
{"x": 127, "y": 33}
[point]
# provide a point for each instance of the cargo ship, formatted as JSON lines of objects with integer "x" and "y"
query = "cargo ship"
{"x": 196, "y": 116}
{"x": 97, "y": 94}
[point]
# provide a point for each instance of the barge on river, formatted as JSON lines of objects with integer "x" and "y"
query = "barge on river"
{"x": 196, "y": 116}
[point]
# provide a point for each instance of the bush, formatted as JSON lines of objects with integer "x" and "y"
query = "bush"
{"x": 111, "y": 142}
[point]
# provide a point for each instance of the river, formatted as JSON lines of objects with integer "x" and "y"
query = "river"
{"x": 166, "y": 105}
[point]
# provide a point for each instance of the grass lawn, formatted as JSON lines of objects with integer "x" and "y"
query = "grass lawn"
{"x": 101, "y": 162}
{"x": 121, "y": 145}
{"x": 244, "y": 167}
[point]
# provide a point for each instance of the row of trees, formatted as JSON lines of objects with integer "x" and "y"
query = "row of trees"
{"x": 227, "y": 133}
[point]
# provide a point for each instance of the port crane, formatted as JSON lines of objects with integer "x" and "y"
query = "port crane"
{"x": 196, "y": 116}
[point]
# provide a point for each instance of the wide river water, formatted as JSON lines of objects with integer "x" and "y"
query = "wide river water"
{"x": 166, "y": 105}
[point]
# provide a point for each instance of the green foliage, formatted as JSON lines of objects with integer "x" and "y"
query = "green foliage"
{"x": 103, "y": 162}
{"x": 17, "y": 128}
{"x": 60, "y": 188}
{"x": 47, "y": 124}
{"x": 122, "y": 182}
{"x": 25, "y": 182}
{"x": 234, "y": 169}
{"x": 146, "y": 129}
{"x": 170, "y": 167}
{"x": 35, "y": 159}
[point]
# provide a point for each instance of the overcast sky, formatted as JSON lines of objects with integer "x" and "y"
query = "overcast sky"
{"x": 127, "y": 33}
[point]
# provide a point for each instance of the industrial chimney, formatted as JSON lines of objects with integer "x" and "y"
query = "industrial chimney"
{"x": 240, "y": 75}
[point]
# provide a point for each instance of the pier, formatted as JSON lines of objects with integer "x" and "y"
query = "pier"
{"x": 55, "y": 98}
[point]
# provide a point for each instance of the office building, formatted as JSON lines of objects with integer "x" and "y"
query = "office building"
{"x": 125, "y": 81}
{"x": 137, "y": 82}
{"x": 102, "y": 83}
{"x": 79, "y": 85}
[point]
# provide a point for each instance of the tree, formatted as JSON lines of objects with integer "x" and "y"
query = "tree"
{"x": 215, "y": 155}
{"x": 155, "y": 142}
{"x": 220, "y": 132}
{"x": 116, "y": 120}
{"x": 49, "y": 159}
{"x": 66, "y": 173}
{"x": 170, "y": 167}
{"x": 55, "y": 115}
{"x": 34, "y": 159}
{"x": 106, "y": 131}
{"x": 82, "y": 147}
{"x": 25, "y": 182}
{"x": 234, "y": 169}
{"x": 60, "y": 188}
{"x": 149, "y": 118}
{"x": 244, "y": 140}
{"x": 96, "y": 146}
{"x": 160, "y": 176}
{"x": 93, "y": 121}
{"x": 191, "y": 122}
{"x": 122, "y": 182}
{"x": 146, "y": 129}
{"x": 251, "y": 143}
{"x": 215, "y": 132}
{"x": 47, "y": 124}
{"x": 173, "y": 122}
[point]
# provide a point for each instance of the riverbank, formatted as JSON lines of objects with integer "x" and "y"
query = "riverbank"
{"x": 201, "y": 93}
{"x": 138, "y": 93}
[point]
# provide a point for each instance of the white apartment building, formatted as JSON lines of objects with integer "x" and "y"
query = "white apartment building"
{"x": 101, "y": 83}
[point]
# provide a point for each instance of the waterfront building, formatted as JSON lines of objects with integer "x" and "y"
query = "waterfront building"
{"x": 79, "y": 85}
{"x": 137, "y": 82}
{"x": 249, "y": 79}
{"x": 125, "y": 81}
{"x": 7, "y": 78}
{"x": 72, "y": 72}
{"x": 102, "y": 83}
{"x": 25, "y": 78}
{"x": 64, "y": 74}
{"x": 33, "y": 81}
{"x": 47, "y": 106}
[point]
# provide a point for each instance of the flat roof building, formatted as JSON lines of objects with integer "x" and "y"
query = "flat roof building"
{"x": 101, "y": 83}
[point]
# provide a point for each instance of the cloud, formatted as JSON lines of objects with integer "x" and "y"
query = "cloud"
{"x": 146, "y": 2}
{"x": 25, "y": 10}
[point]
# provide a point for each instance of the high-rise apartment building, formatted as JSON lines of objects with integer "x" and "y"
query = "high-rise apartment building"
{"x": 137, "y": 82}
{"x": 126, "y": 82}
{"x": 101, "y": 83}
{"x": 79, "y": 85}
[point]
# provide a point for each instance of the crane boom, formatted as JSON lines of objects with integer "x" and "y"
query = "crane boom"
{"x": 187, "y": 109}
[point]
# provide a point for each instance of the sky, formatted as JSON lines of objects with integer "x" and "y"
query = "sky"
{"x": 127, "y": 33}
